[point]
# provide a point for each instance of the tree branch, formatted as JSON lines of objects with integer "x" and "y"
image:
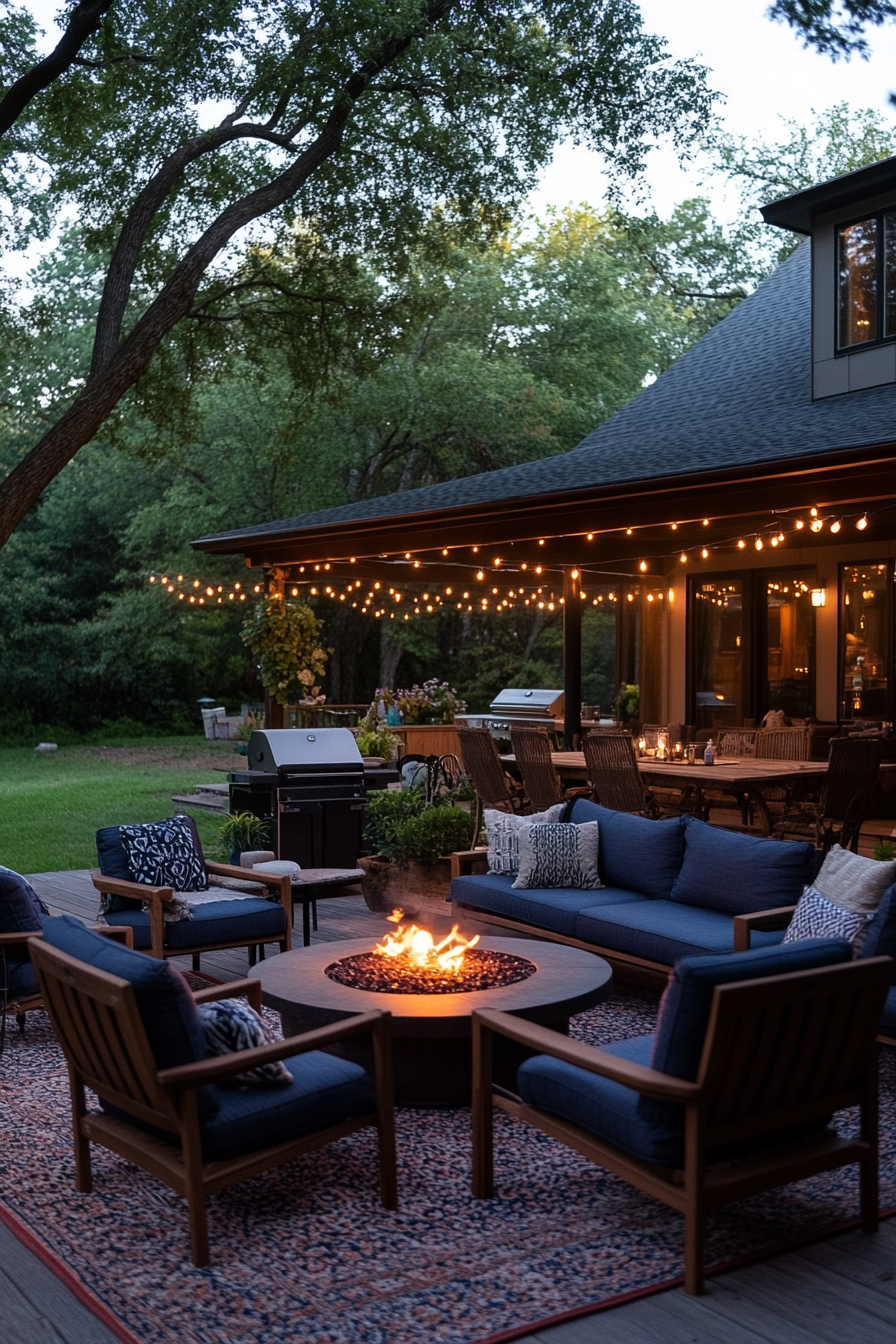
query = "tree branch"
{"x": 85, "y": 19}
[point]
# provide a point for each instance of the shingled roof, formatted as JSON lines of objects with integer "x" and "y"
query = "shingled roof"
{"x": 740, "y": 396}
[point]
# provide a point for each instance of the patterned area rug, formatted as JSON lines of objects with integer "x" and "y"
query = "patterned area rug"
{"x": 305, "y": 1255}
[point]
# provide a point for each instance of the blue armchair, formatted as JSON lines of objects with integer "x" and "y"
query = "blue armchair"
{"x": 749, "y": 1047}
{"x": 166, "y": 1106}
{"x": 251, "y": 922}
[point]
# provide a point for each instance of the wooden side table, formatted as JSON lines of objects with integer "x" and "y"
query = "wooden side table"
{"x": 312, "y": 884}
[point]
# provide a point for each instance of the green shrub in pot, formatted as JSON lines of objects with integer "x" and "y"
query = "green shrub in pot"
{"x": 242, "y": 831}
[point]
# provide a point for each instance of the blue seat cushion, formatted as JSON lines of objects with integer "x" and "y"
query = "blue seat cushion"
{"x": 552, "y": 908}
{"x": 245, "y": 921}
{"x": 607, "y": 1109}
{"x": 164, "y": 1002}
{"x": 740, "y": 873}
{"x": 325, "y": 1090}
{"x": 888, "y": 1020}
{"x": 19, "y": 979}
{"x": 634, "y": 853}
{"x": 662, "y": 931}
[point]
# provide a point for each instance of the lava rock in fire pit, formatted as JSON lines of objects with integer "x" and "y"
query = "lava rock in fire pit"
{"x": 403, "y": 975}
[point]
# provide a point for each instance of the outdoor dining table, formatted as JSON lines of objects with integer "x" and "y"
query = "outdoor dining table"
{"x": 743, "y": 778}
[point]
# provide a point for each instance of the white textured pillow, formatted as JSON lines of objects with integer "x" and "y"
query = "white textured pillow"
{"x": 561, "y": 855}
{"x": 853, "y": 882}
{"x": 817, "y": 917}
{"x": 503, "y": 829}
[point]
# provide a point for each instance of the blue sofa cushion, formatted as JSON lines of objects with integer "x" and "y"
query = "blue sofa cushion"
{"x": 605, "y": 1108}
{"x": 740, "y": 873}
{"x": 635, "y": 853}
{"x": 165, "y": 1004}
{"x": 662, "y": 931}
{"x": 324, "y": 1091}
{"x": 244, "y": 921}
{"x": 552, "y": 908}
{"x": 18, "y": 979}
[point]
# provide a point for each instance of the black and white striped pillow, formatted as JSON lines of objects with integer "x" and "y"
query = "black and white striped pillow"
{"x": 229, "y": 1027}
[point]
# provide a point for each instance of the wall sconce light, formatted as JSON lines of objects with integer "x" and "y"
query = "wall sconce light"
{"x": 819, "y": 597}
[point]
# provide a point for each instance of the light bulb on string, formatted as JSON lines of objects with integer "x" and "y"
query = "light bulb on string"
{"x": 862, "y": 523}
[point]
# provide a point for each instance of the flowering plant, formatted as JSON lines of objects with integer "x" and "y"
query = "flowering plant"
{"x": 285, "y": 636}
{"x": 433, "y": 702}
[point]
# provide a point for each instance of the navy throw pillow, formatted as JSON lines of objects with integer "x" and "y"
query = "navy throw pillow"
{"x": 634, "y": 852}
{"x": 737, "y": 874}
{"x": 881, "y": 937}
{"x": 165, "y": 854}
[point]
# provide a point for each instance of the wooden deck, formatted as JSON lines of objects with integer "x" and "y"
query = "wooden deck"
{"x": 839, "y": 1291}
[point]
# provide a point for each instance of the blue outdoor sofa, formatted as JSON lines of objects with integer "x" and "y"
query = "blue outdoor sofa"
{"x": 672, "y": 888}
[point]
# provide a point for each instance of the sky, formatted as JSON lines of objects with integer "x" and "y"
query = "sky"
{"x": 765, "y": 74}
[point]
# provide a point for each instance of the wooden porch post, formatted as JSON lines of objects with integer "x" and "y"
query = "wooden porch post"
{"x": 572, "y": 659}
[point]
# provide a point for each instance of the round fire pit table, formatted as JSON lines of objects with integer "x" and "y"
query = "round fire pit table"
{"x": 431, "y": 1032}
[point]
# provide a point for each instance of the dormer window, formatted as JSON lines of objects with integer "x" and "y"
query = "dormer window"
{"x": 866, "y": 281}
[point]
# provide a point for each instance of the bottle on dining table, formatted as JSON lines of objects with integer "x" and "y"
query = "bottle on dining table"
{"x": 709, "y": 755}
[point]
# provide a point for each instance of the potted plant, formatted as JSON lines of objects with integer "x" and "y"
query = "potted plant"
{"x": 412, "y": 842}
{"x": 242, "y": 831}
{"x": 377, "y": 743}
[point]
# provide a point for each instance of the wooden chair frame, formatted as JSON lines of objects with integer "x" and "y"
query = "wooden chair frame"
{"x": 779, "y": 1051}
{"x": 157, "y": 897}
{"x": 532, "y": 752}
{"x": 492, "y": 784}
{"x": 96, "y": 1019}
{"x": 26, "y": 1004}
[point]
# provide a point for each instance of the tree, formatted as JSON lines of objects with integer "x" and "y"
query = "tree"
{"x": 836, "y": 27}
{"x": 356, "y": 114}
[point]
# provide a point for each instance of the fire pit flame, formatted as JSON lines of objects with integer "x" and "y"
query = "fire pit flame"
{"x": 421, "y": 949}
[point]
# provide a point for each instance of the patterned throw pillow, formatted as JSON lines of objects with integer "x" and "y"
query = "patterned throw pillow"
{"x": 561, "y": 855}
{"x": 230, "y": 1027}
{"x": 503, "y": 830}
{"x": 164, "y": 854}
{"x": 817, "y": 917}
{"x": 854, "y": 882}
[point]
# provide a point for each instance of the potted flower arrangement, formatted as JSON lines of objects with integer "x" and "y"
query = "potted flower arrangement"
{"x": 433, "y": 702}
{"x": 412, "y": 842}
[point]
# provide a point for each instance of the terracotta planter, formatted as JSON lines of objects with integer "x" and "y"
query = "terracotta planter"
{"x": 387, "y": 886}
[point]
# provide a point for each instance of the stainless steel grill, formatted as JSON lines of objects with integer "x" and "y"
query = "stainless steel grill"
{"x": 518, "y": 705}
{"x": 309, "y": 782}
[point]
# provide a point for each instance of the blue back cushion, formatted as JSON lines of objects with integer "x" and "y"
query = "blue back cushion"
{"x": 21, "y": 909}
{"x": 634, "y": 852}
{"x": 880, "y": 940}
{"x": 167, "y": 1010}
{"x": 687, "y": 999}
{"x": 113, "y": 862}
{"x": 738, "y": 874}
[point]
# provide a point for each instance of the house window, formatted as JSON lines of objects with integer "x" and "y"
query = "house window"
{"x": 719, "y": 648}
{"x": 789, "y": 643}
{"x": 865, "y": 621}
{"x": 866, "y": 281}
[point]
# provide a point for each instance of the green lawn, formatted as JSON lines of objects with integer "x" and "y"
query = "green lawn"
{"x": 50, "y": 806}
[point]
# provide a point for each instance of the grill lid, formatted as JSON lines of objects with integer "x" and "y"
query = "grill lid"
{"x": 534, "y": 704}
{"x": 302, "y": 750}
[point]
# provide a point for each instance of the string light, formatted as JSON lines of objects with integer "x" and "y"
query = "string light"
{"x": 862, "y": 523}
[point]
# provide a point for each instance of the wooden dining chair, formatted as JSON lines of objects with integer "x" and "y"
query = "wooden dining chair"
{"x": 493, "y": 786}
{"x": 782, "y": 744}
{"x": 613, "y": 771}
{"x": 837, "y": 815}
{"x": 532, "y": 751}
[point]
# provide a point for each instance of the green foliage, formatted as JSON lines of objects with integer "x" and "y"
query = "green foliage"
{"x": 834, "y": 27}
{"x": 627, "y": 702}
{"x": 387, "y": 812}
{"x": 284, "y": 637}
{"x": 244, "y": 831}
{"x": 437, "y": 831}
{"x": 883, "y": 851}
{"x": 378, "y": 741}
